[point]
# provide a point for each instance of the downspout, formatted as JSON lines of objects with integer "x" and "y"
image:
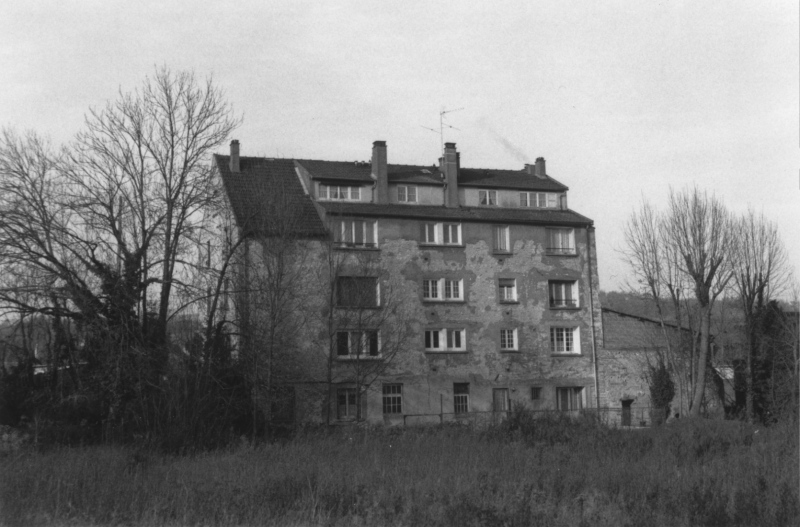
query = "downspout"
{"x": 591, "y": 311}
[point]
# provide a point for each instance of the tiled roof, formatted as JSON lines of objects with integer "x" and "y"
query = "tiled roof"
{"x": 495, "y": 214}
{"x": 468, "y": 177}
{"x": 264, "y": 187}
{"x": 515, "y": 179}
{"x": 623, "y": 331}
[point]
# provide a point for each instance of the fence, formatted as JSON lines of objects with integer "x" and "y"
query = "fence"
{"x": 619, "y": 417}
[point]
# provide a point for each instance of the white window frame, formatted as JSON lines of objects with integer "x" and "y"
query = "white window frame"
{"x": 539, "y": 200}
{"x": 507, "y": 292}
{"x": 441, "y": 290}
{"x": 565, "y": 340}
{"x": 346, "y": 233}
{"x": 563, "y": 294}
{"x": 347, "y": 393}
{"x": 509, "y": 340}
{"x": 501, "y": 238}
{"x": 341, "y": 192}
{"x": 356, "y": 337}
{"x": 576, "y": 398}
{"x": 392, "y": 399}
{"x": 487, "y": 198}
{"x": 445, "y": 339}
{"x": 407, "y": 193}
{"x": 441, "y": 233}
{"x": 561, "y": 241}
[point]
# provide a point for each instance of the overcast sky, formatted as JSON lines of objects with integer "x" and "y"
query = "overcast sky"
{"x": 623, "y": 99}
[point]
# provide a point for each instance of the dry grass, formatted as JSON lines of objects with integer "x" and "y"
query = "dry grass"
{"x": 551, "y": 473}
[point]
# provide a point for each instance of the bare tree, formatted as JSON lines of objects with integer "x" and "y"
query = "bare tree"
{"x": 699, "y": 228}
{"x": 760, "y": 273}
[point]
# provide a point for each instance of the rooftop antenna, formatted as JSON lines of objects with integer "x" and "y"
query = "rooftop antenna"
{"x": 442, "y": 126}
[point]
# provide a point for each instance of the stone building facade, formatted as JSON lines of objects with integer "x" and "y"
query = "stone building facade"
{"x": 433, "y": 293}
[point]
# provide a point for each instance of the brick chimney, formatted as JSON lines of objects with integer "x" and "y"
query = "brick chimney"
{"x": 450, "y": 164}
{"x": 234, "y": 156}
{"x": 380, "y": 171}
{"x": 539, "y": 168}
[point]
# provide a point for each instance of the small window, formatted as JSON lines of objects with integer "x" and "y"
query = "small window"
{"x": 461, "y": 397}
{"x": 346, "y": 404}
{"x": 445, "y": 340}
{"x": 406, "y": 194}
{"x": 442, "y": 290}
{"x": 508, "y": 290}
{"x": 357, "y": 344}
{"x": 560, "y": 241}
{"x": 487, "y": 197}
{"x": 501, "y": 239}
{"x": 508, "y": 340}
{"x": 392, "y": 399}
{"x": 563, "y": 294}
{"x": 355, "y": 233}
{"x": 536, "y": 393}
{"x": 564, "y": 340}
{"x": 357, "y": 292}
{"x": 570, "y": 398}
{"x": 441, "y": 233}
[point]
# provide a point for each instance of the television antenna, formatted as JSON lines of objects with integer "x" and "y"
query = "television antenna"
{"x": 443, "y": 125}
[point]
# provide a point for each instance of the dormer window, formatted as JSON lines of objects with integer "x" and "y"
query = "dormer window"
{"x": 406, "y": 194}
{"x": 538, "y": 200}
{"x": 339, "y": 193}
{"x": 487, "y": 197}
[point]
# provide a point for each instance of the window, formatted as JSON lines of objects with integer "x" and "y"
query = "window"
{"x": 538, "y": 200}
{"x": 357, "y": 344}
{"x": 355, "y": 233}
{"x": 536, "y": 393}
{"x": 441, "y": 233}
{"x": 501, "y": 241}
{"x": 564, "y": 340}
{"x": 461, "y": 397}
{"x": 442, "y": 290}
{"x": 500, "y": 400}
{"x": 569, "y": 398}
{"x": 406, "y": 194}
{"x": 346, "y": 404}
{"x": 392, "y": 399}
{"x": 445, "y": 340}
{"x": 337, "y": 192}
{"x": 563, "y": 294}
{"x": 487, "y": 197}
{"x": 356, "y": 291}
{"x": 508, "y": 290}
{"x": 508, "y": 340}
{"x": 560, "y": 241}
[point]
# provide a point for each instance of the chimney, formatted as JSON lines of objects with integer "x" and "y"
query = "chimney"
{"x": 539, "y": 168}
{"x": 450, "y": 164}
{"x": 234, "y": 156}
{"x": 380, "y": 172}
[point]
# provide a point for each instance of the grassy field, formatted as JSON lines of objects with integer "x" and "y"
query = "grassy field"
{"x": 550, "y": 473}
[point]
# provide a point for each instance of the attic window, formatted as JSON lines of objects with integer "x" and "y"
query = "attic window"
{"x": 487, "y": 197}
{"x": 339, "y": 193}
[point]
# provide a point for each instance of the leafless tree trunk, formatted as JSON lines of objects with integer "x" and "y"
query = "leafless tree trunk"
{"x": 759, "y": 273}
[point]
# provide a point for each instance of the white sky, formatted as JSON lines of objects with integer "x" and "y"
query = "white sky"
{"x": 623, "y": 99}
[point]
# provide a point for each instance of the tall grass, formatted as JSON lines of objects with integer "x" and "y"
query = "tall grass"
{"x": 549, "y": 472}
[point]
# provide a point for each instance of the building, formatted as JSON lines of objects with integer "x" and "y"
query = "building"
{"x": 428, "y": 293}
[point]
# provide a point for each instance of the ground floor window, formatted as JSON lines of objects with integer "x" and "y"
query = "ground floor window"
{"x": 461, "y": 397}
{"x": 346, "y": 404}
{"x": 570, "y": 398}
{"x": 392, "y": 399}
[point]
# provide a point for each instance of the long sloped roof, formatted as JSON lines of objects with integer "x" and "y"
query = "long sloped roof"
{"x": 266, "y": 196}
{"x": 493, "y": 214}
